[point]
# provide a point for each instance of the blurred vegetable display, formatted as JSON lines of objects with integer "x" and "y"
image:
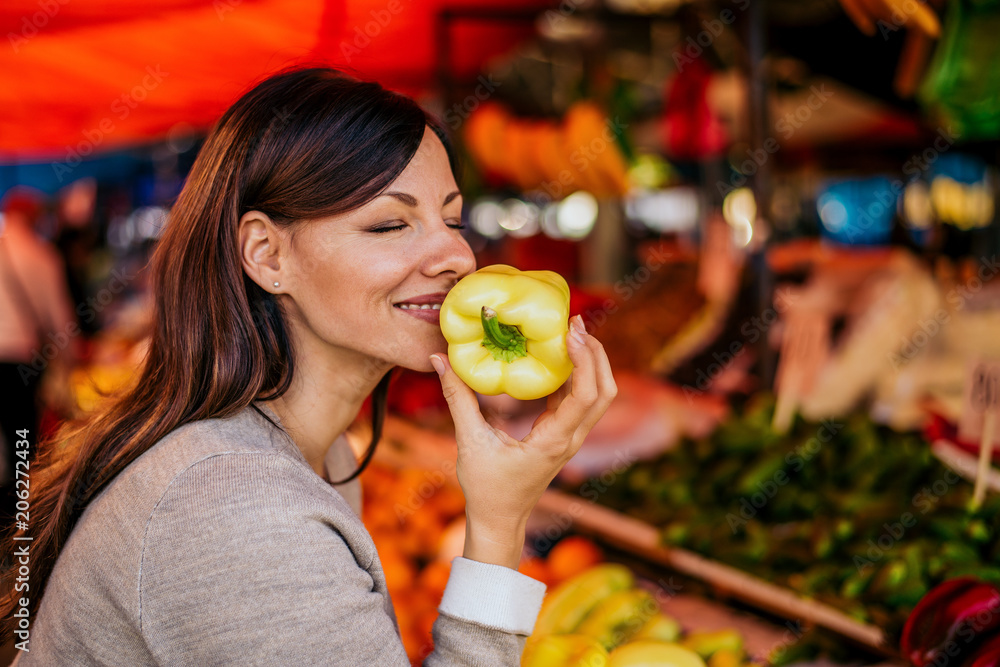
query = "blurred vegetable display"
{"x": 414, "y": 517}
{"x": 603, "y": 616}
{"x": 846, "y": 512}
{"x": 407, "y": 513}
{"x": 581, "y": 152}
{"x": 963, "y": 79}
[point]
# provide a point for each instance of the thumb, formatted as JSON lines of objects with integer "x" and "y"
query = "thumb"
{"x": 461, "y": 399}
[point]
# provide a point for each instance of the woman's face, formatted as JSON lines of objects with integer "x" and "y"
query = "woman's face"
{"x": 370, "y": 281}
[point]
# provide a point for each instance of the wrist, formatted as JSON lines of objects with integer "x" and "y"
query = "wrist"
{"x": 498, "y": 543}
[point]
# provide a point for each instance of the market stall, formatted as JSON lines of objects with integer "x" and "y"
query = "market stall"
{"x": 780, "y": 220}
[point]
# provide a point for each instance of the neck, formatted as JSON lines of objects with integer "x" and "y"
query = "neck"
{"x": 326, "y": 394}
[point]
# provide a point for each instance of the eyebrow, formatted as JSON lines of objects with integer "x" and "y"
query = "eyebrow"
{"x": 410, "y": 200}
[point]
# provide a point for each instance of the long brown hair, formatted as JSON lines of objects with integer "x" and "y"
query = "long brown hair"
{"x": 306, "y": 143}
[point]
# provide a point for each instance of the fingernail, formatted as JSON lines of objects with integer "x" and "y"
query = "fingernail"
{"x": 437, "y": 364}
{"x": 577, "y": 325}
{"x": 577, "y": 336}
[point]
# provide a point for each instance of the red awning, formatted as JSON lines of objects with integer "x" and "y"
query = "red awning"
{"x": 89, "y": 75}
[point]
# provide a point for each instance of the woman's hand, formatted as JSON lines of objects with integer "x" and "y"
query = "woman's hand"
{"x": 503, "y": 478}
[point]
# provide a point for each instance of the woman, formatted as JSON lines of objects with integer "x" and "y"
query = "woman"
{"x": 192, "y": 520}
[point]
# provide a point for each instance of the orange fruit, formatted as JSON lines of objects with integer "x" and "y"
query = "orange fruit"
{"x": 434, "y": 578}
{"x": 427, "y": 529}
{"x": 403, "y": 604}
{"x": 484, "y": 135}
{"x": 398, "y": 570}
{"x": 536, "y": 569}
{"x": 412, "y": 642}
{"x": 409, "y": 539}
{"x": 572, "y": 556}
{"x": 449, "y": 502}
{"x": 423, "y": 624}
{"x": 382, "y": 538}
{"x": 380, "y": 516}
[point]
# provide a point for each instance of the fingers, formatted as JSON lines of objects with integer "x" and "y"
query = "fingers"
{"x": 604, "y": 380}
{"x": 607, "y": 389}
{"x": 591, "y": 386}
{"x": 556, "y": 398}
{"x": 461, "y": 399}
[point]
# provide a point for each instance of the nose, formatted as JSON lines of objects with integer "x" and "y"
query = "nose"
{"x": 447, "y": 252}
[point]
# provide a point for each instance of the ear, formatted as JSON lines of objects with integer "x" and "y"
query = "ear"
{"x": 261, "y": 244}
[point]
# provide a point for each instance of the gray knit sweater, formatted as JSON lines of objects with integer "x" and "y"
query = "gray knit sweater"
{"x": 221, "y": 546}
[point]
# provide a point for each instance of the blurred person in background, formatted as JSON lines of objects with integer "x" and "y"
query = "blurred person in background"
{"x": 77, "y": 241}
{"x": 38, "y": 329}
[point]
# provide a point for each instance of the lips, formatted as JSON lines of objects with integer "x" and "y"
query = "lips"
{"x": 428, "y": 300}
{"x": 413, "y": 306}
{"x": 426, "y": 307}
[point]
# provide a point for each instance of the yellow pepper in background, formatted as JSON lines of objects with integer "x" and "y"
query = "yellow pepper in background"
{"x": 648, "y": 653}
{"x": 563, "y": 651}
{"x": 506, "y": 331}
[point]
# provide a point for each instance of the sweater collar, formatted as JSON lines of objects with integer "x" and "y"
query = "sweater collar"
{"x": 331, "y": 459}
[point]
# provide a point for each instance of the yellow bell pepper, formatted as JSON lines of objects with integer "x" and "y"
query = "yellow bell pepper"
{"x": 506, "y": 331}
{"x": 563, "y": 651}
{"x": 647, "y": 653}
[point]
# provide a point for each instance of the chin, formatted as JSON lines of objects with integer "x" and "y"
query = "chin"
{"x": 418, "y": 366}
{"x": 422, "y": 363}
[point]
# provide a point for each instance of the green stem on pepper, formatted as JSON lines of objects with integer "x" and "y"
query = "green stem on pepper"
{"x": 504, "y": 341}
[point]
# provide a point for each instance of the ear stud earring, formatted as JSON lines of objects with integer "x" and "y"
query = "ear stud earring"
{"x": 275, "y": 284}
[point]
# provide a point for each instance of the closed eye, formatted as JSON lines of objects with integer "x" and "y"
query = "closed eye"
{"x": 457, "y": 224}
{"x": 382, "y": 230}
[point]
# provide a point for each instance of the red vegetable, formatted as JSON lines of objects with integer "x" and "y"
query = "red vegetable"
{"x": 987, "y": 654}
{"x": 950, "y": 620}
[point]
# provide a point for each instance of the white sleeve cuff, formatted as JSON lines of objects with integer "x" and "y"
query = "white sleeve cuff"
{"x": 492, "y": 595}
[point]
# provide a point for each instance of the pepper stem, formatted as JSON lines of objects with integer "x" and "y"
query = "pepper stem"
{"x": 504, "y": 341}
{"x": 491, "y": 325}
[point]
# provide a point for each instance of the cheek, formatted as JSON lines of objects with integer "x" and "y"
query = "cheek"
{"x": 359, "y": 287}
{"x": 379, "y": 280}
{"x": 334, "y": 292}
{"x": 352, "y": 289}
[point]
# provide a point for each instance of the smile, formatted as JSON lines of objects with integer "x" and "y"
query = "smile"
{"x": 428, "y": 312}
